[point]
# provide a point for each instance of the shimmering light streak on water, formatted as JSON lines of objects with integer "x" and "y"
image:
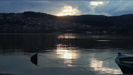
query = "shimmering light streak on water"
{"x": 67, "y": 36}
{"x": 103, "y": 67}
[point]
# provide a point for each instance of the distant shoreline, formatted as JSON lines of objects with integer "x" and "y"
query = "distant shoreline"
{"x": 32, "y": 33}
{"x": 58, "y": 34}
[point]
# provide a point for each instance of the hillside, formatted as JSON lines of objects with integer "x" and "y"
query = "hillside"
{"x": 36, "y": 22}
{"x": 94, "y": 20}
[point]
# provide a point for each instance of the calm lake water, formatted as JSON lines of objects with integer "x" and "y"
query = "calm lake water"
{"x": 60, "y": 54}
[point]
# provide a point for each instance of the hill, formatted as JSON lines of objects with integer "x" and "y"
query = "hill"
{"x": 94, "y": 20}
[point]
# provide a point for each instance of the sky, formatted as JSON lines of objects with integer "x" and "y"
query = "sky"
{"x": 71, "y": 7}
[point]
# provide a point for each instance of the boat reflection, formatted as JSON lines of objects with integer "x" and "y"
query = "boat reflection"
{"x": 103, "y": 67}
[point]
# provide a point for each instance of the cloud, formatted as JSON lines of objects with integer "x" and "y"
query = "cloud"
{"x": 95, "y": 7}
{"x": 115, "y": 7}
{"x": 96, "y": 3}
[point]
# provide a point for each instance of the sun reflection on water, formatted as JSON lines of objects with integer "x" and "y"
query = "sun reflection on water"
{"x": 64, "y": 53}
{"x": 68, "y": 54}
{"x": 102, "y": 67}
{"x": 67, "y": 36}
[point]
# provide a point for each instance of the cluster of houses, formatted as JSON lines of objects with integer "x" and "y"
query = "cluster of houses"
{"x": 17, "y": 23}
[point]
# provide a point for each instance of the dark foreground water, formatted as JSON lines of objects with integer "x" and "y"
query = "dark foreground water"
{"x": 62, "y": 54}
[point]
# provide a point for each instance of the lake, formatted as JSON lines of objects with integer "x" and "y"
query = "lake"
{"x": 60, "y": 54}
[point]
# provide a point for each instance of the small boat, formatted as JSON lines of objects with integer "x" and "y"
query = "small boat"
{"x": 125, "y": 63}
{"x": 34, "y": 59}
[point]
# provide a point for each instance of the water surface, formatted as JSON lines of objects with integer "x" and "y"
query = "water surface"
{"x": 62, "y": 53}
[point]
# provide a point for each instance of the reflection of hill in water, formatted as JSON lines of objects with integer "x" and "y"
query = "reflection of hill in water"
{"x": 27, "y": 42}
{"x": 31, "y": 43}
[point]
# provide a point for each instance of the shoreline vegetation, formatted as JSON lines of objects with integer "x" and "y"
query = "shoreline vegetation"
{"x": 36, "y": 22}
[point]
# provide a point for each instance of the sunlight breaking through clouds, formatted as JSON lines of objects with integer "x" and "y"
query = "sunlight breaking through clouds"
{"x": 68, "y": 10}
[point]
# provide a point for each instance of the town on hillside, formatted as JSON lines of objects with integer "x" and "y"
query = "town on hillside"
{"x": 19, "y": 23}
